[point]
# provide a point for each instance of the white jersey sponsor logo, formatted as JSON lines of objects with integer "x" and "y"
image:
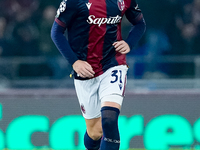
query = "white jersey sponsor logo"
{"x": 99, "y": 21}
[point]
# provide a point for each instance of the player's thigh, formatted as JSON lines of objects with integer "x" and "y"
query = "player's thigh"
{"x": 94, "y": 128}
{"x": 110, "y": 104}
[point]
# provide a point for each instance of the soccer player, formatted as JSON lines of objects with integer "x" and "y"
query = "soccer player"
{"x": 95, "y": 49}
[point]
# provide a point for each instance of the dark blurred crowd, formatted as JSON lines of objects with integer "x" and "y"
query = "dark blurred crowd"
{"x": 25, "y": 27}
{"x": 173, "y": 28}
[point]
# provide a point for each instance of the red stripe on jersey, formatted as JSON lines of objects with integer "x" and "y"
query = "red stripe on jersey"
{"x": 60, "y": 22}
{"x": 121, "y": 58}
{"x": 123, "y": 93}
{"x": 96, "y": 36}
{"x": 139, "y": 18}
{"x": 119, "y": 35}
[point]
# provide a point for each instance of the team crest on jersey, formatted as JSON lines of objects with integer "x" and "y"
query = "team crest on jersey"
{"x": 121, "y": 5}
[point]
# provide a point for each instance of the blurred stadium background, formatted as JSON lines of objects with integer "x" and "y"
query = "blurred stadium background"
{"x": 38, "y": 104}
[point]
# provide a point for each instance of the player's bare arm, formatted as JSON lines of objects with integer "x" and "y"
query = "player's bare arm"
{"x": 83, "y": 69}
{"x": 122, "y": 47}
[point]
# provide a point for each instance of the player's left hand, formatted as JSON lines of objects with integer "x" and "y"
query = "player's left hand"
{"x": 122, "y": 47}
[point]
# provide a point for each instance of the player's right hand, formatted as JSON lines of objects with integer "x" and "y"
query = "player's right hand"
{"x": 122, "y": 47}
{"x": 83, "y": 69}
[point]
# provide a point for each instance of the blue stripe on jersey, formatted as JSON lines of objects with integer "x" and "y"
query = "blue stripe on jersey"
{"x": 78, "y": 31}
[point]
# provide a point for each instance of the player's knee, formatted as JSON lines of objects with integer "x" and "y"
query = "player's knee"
{"x": 95, "y": 135}
{"x": 109, "y": 117}
{"x": 108, "y": 122}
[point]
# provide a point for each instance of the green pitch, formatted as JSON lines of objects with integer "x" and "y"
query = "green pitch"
{"x": 167, "y": 149}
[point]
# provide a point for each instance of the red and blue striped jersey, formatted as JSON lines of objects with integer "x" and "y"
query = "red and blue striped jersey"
{"x": 93, "y": 26}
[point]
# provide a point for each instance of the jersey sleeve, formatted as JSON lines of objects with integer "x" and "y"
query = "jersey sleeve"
{"x": 62, "y": 44}
{"x": 133, "y": 13}
{"x": 66, "y": 12}
{"x": 135, "y": 16}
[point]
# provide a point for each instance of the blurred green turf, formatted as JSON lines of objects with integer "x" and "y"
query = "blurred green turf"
{"x": 74, "y": 149}
{"x": 128, "y": 149}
